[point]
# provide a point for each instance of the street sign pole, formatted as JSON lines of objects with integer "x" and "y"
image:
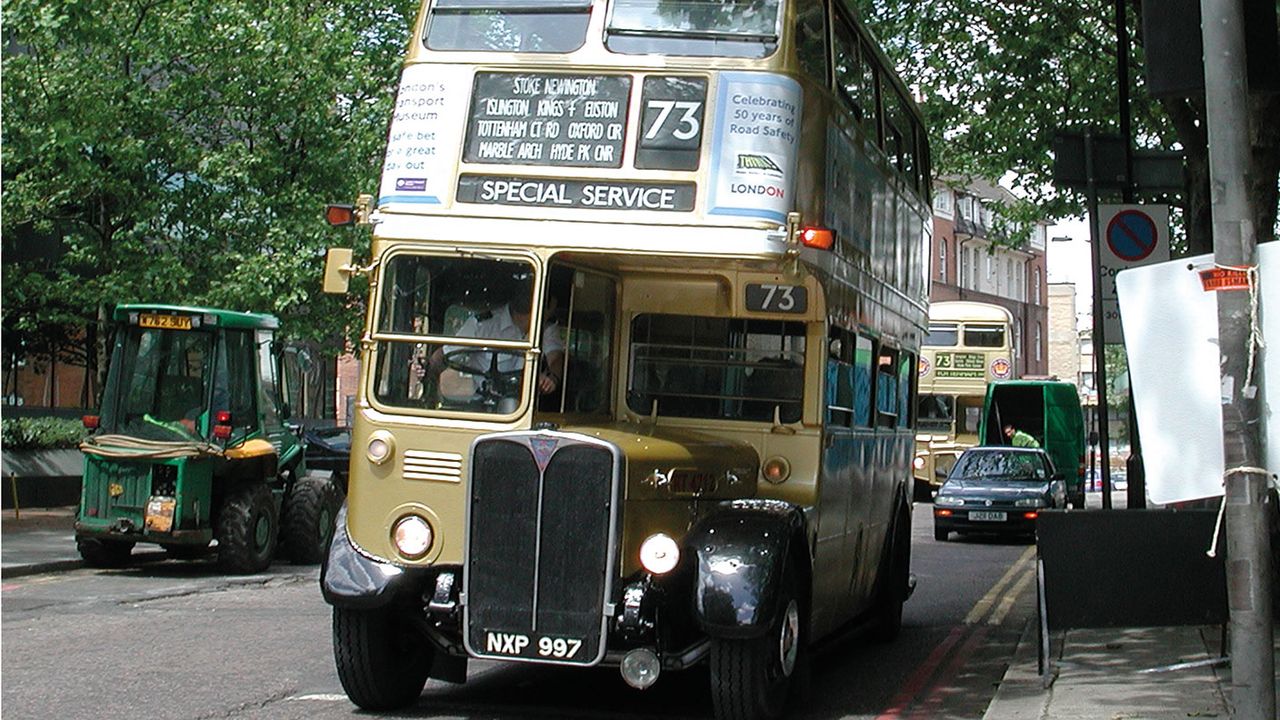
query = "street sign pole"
{"x": 1253, "y": 691}
{"x": 1099, "y": 345}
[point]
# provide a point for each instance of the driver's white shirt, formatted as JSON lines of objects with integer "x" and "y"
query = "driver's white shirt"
{"x": 499, "y": 326}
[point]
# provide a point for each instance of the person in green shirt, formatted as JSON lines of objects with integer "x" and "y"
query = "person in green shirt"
{"x": 1019, "y": 438}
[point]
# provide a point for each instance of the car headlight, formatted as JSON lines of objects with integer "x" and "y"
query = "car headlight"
{"x": 659, "y": 554}
{"x": 948, "y": 501}
{"x": 412, "y": 536}
{"x": 1030, "y": 502}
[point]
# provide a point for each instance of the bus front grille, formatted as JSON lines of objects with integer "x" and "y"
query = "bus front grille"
{"x": 540, "y": 547}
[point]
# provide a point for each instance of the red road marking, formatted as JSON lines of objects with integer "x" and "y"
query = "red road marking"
{"x": 920, "y": 677}
{"x": 944, "y": 684}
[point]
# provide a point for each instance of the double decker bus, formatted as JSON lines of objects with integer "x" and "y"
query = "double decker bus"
{"x": 645, "y": 305}
{"x": 968, "y": 346}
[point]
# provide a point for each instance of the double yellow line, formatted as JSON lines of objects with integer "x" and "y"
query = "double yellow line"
{"x": 997, "y": 603}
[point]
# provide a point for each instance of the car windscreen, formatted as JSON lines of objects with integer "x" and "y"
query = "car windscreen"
{"x": 1001, "y": 465}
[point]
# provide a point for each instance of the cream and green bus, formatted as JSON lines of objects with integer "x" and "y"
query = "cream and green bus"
{"x": 645, "y": 306}
{"x": 969, "y": 345}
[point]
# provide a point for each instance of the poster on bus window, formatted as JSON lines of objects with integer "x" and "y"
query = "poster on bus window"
{"x": 757, "y": 133}
{"x": 422, "y": 147}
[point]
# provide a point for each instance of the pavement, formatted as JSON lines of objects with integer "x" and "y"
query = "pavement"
{"x": 1115, "y": 674}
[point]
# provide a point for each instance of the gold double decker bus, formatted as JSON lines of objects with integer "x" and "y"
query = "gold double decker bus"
{"x": 969, "y": 345}
{"x": 645, "y": 305}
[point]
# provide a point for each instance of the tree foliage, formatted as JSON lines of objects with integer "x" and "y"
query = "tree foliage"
{"x": 181, "y": 152}
{"x": 999, "y": 78}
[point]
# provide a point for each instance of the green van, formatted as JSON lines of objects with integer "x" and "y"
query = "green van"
{"x": 1049, "y": 411}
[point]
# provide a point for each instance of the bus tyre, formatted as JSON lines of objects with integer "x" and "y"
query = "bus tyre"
{"x": 382, "y": 665}
{"x": 309, "y": 512}
{"x": 751, "y": 679}
{"x": 104, "y": 553}
{"x": 896, "y": 569}
{"x": 247, "y": 529}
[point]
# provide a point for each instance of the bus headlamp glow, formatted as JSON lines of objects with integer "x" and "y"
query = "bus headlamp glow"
{"x": 659, "y": 554}
{"x": 776, "y": 470}
{"x": 381, "y": 447}
{"x": 412, "y": 536}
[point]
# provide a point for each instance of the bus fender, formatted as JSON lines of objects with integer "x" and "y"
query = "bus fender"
{"x": 351, "y": 579}
{"x": 742, "y": 548}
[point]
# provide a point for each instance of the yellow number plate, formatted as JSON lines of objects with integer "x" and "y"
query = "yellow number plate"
{"x": 159, "y": 517}
{"x": 164, "y": 322}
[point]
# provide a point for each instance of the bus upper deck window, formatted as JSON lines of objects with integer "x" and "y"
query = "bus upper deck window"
{"x": 703, "y": 28}
{"x": 538, "y": 26}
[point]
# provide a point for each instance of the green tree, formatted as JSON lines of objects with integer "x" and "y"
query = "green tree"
{"x": 998, "y": 79}
{"x": 181, "y": 152}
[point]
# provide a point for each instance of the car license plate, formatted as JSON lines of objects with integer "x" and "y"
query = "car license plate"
{"x": 988, "y": 515}
{"x": 159, "y": 516}
{"x": 164, "y": 322}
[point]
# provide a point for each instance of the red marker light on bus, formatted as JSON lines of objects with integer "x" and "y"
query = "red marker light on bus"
{"x": 340, "y": 215}
{"x": 820, "y": 238}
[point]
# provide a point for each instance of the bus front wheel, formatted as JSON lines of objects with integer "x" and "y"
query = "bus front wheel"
{"x": 381, "y": 664}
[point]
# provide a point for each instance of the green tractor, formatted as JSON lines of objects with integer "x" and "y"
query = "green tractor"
{"x": 192, "y": 446}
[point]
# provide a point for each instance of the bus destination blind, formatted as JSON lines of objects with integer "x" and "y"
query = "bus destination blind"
{"x": 548, "y": 120}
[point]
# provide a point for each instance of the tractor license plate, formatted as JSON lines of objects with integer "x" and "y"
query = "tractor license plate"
{"x": 164, "y": 322}
{"x": 159, "y": 516}
{"x": 987, "y": 516}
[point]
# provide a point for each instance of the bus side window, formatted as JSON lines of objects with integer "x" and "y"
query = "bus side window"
{"x": 887, "y": 387}
{"x": 863, "y": 359}
{"x": 811, "y": 39}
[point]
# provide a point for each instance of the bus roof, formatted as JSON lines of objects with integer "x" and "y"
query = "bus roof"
{"x": 963, "y": 310}
{"x": 226, "y": 318}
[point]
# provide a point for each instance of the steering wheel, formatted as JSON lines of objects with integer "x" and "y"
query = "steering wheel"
{"x": 497, "y": 384}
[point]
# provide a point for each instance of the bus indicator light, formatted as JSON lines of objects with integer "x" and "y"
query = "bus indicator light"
{"x": 820, "y": 238}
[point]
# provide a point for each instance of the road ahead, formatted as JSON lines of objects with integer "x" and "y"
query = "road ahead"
{"x": 176, "y": 640}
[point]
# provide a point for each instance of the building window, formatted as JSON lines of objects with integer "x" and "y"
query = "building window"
{"x": 942, "y": 202}
{"x": 1035, "y": 289}
{"x": 942, "y": 260}
{"x": 1039, "y": 338}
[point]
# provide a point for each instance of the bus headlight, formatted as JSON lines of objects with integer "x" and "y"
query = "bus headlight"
{"x": 381, "y": 447}
{"x": 412, "y": 536}
{"x": 918, "y": 463}
{"x": 659, "y": 554}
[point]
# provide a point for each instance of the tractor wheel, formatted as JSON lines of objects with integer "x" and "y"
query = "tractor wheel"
{"x": 382, "y": 664}
{"x": 98, "y": 553}
{"x": 247, "y": 529}
{"x": 309, "y": 512}
{"x": 751, "y": 679}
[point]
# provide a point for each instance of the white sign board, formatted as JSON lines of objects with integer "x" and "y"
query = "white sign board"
{"x": 1171, "y": 336}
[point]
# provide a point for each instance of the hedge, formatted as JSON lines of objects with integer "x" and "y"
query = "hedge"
{"x": 40, "y": 433}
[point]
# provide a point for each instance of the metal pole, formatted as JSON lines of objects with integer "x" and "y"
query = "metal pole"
{"x": 1099, "y": 356}
{"x": 1253, "y": 694}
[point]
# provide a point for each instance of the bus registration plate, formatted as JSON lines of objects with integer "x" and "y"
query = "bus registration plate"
{"x": 988, "y": 515}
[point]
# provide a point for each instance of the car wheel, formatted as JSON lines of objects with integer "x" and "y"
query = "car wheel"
{"x": 940, "y": 535}
{"x": 750, "y": 679}
{"x": 309, "y": 513}
{"x": 381, "y": 664}
{"x": 247, "y": 529}
{"x": 98, "y": 553}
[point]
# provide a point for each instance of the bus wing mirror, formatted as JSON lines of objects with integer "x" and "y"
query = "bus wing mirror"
{"x": 337, "y": 270}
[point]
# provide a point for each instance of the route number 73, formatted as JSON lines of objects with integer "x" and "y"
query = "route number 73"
{"x": 768, "y": 297}
{"x": 687, "y": 126}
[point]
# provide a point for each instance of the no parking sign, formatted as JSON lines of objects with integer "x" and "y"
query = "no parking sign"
{"x": 1132, "y": 235}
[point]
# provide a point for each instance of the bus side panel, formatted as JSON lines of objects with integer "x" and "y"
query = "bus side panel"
{"x": 844, "y": 481}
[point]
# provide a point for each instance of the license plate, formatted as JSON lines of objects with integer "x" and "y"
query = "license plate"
{"x": 988, "y": 515}
{"x": 164, "y": 322}
{"x": 532, "y": 647}
{"x": 159, "y": 515}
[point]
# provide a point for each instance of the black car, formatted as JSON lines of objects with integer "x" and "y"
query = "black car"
{"x": 997, "y": 490}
